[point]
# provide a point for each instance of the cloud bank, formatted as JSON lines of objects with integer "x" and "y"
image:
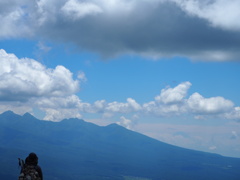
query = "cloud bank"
{"x": 207, "y": 30}
{"x": 26, "y": 84}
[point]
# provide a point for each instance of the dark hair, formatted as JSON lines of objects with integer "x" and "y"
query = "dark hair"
{"x": 32, "y": 159}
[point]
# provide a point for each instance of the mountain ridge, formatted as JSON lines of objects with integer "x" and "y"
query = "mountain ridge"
{"x": 112, "y": 151}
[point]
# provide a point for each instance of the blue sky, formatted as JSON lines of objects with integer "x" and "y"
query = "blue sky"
{"x": 171, "y": 72}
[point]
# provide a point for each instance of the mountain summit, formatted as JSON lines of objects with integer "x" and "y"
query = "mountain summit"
{"x": 75, "y": 149}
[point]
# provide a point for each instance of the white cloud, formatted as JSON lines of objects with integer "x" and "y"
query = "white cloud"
{"x": 133, "y": 104}
{"x": 22, "y": 79}
{"x": 130, "y": 106}
{"x": 97, "y": 107}
{"x": 100, "y": 105}
{"x": 220, "y": 13}
{"x": 173, "y": 101}
{"x": 56, "y": 115}
{"x": 71, "y": 101}
{"x": 234, "y": 114}
{"x": 173, "y": 95}
{"x": 170, "y": 102}
{"x": 214, "y": 105}
{"x": 162, "y": 110}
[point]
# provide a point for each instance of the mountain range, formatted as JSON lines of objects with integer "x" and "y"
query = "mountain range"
{"x": 74, "y": 149}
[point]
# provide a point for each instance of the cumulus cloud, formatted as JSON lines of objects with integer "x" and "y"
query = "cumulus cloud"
{"x": 200, "y": 30}
{"x": 199, "y": 104}
{"x": 233, "y": 114}
{"x": 171, "y": 101}
{"x": 161, "y": 110}
{"x": 174, "y": 101}
{"x": 25, "y": 78}
{"x": 173, "y": 95}
{"x": 130, "y": 106}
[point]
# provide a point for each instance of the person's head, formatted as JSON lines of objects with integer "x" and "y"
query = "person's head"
{"x": 32, "y": 159}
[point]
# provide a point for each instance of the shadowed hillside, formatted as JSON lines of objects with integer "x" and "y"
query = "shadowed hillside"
{"x": 75, "y": 149}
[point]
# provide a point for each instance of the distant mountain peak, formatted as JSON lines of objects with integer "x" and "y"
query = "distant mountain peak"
{"x": 9, "y": 114}
{"x": 115, "y": 125}
{"x": 27, "y": 115}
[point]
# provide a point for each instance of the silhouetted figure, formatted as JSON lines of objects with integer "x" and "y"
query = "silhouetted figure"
{"x": 31, "y": 168}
